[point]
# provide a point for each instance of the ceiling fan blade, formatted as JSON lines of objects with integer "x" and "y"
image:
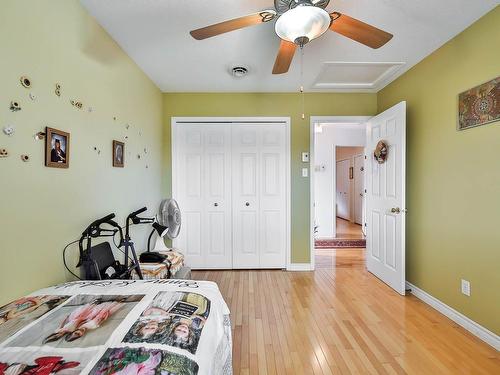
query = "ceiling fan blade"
{"x": 285, "y": 57}
{"x": 359, "y": 31}
{"x": 234, "y": 24}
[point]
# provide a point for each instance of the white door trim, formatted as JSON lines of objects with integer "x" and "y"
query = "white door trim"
{"x": 341, "y": 120}
{"x": 178, "y": 121}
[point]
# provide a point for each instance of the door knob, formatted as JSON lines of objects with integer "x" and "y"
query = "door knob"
{"x": 216, "y": 204}
{"x": 247, "y": 204}
{"x": 395, "y": 210}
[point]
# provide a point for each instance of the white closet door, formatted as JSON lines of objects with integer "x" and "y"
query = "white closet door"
{"x": 246, "y": 179}
{"x": 203, "y": 190}
{"x": 189, "y": 161}
{"x": 259, "y": 196}
{"x": 272, "y": 215}
{"x": 216, "y": 233}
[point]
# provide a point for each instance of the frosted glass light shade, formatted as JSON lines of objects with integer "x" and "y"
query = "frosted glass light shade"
{"x": 301, "y": 22}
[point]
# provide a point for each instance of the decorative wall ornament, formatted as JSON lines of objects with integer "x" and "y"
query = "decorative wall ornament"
{"x": 9, "y": 130}
{"x": 57, "y": 91}
{"x": 25, "y": 158}
{"x": 118, "y": 154}
{"x": 32, "y": 96}
{"x": 15, "y": 106}
{"x": 56, "y": 148}
{"x": 381, "y": 152}
{"x": 76, "y": 104}
{"x": 39, "y": 136}
{"x": 3, "y": 153}
{"x": 25, "y": 81}
{"x": 479, "y": 105}
{"x": 97, "y": 150}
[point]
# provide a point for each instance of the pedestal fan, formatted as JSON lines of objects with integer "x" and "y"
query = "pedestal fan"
{"x": 167, "y": 224}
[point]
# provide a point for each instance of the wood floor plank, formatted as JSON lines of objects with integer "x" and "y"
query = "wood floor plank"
{"x": 340, "y": 319}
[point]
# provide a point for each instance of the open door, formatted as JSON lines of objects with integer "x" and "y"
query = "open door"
{"x": 385, "y": 198}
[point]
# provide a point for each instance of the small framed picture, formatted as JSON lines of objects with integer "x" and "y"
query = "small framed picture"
{"x": 118, "y": 154}
{"x": 56, "y": 148}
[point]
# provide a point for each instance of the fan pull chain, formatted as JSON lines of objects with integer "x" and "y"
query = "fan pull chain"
{"x": 302, "y": 82}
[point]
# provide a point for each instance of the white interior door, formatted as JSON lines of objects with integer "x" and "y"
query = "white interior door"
{"x": 203, "y": 189}
{"x": 259, "y": 196}
{"x": 272, "y": 186}
{"x": 246, "y": 180}
{"x": 342, "y": 189}
{"x": 216, "y": 232}
{"x": 385, "y": 199}
{"x": 359, "y": 186}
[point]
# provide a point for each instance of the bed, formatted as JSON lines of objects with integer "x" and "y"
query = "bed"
{"x": 167, "y": 327}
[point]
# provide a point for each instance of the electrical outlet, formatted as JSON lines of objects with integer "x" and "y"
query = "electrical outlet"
{"x": 305, "y": 172}
{"x": 466, "y": 287}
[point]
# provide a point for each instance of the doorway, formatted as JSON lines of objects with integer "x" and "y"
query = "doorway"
{"x": 338, "y": 180}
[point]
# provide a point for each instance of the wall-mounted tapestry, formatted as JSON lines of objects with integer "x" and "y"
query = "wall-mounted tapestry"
{"x": 479, "y": 105}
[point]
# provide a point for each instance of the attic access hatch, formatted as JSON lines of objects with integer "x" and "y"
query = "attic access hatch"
{"x": 356, "y": 76}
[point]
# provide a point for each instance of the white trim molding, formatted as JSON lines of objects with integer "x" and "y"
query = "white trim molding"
{"x": 476, "y": 329}
{"x": 300, "y": 267}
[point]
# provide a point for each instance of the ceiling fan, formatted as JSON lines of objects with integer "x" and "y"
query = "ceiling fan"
{"x": 297, "y": 23}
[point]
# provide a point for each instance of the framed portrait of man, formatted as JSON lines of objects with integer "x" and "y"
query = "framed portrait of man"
{"x": 56, "y": 148}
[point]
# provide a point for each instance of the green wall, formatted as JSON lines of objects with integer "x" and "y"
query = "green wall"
{"x": 44, "y": 208}
{"x": 259, "y": 104}
{"x": 453, "y": 181}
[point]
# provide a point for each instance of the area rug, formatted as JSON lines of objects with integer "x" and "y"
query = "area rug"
{"x": 334, "y": 243}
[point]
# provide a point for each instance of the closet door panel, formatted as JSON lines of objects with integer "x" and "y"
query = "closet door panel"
{"x": 217, "y": 236}
{"x": 272, "y": 194}
{"x": 189, "y": 161}
{"x": 246, "y": 233}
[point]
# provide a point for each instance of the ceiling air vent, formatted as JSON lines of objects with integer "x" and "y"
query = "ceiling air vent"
{"x": 239, "y": 71}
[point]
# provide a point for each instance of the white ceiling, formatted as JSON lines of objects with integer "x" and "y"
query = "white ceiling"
{"x": 155, "y": 34}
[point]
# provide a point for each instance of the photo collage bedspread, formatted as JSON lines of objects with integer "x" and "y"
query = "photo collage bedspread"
{"x": 166, "y": 327}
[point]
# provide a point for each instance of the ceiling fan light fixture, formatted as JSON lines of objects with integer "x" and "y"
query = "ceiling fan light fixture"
{"x": 302, "y": 24}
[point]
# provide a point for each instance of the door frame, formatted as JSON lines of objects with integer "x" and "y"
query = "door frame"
{"x": 178, "y": 121}
{"x": 340, "y": 120}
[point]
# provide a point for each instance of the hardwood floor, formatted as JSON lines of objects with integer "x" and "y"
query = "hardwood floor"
{"x": 347, "y": 230}
{"x": 340, "y": 319}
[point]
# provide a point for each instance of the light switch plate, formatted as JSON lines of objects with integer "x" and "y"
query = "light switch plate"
{"x": 465, "y": 287}
{"x": 305, "y": 157}
{"x": 305, "y": 172}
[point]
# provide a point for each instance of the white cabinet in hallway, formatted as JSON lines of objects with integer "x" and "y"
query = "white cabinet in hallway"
{"x": 231, "y": 181}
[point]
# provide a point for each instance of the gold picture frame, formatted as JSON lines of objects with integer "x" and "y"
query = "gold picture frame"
{"x": 57, "y": 149}
{"x": 118, "y": 154}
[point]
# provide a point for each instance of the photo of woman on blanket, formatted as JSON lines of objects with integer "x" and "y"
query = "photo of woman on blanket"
{"x": 88, "y": 320}
{"x": 174, "y": 319}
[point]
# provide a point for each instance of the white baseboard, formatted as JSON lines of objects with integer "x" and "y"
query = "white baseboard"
{"x": 299, "y": 267}
{"x": 476, "y": 329}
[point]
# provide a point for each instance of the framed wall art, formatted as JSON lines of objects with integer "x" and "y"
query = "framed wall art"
{"x": 118, "y": 154}
{"x": 479, "y": 105}
{"x": 56, "y": 148}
